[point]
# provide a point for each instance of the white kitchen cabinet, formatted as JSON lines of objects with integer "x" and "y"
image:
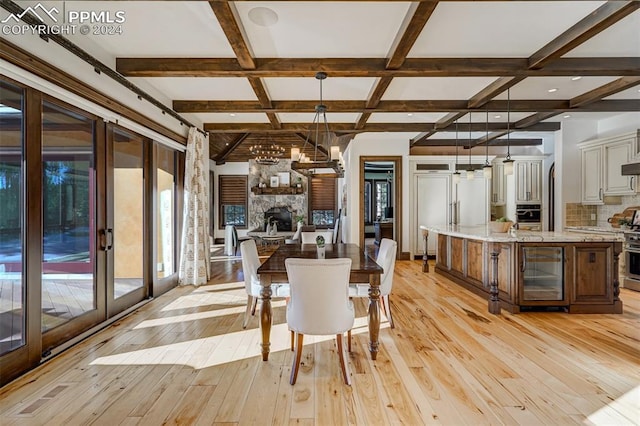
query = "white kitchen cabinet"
{"x": 528, "y": 181}
{"x": 432, "y": 205}
{"x": 615, "y": 155}
{"x": 471, "y": 199}
{"x": 592, "y": 188}
{"x": 602, "y": 162}
{"x": 498, "y": 184}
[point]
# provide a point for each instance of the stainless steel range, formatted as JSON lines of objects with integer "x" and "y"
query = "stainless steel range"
{"x": 632, "y": 253}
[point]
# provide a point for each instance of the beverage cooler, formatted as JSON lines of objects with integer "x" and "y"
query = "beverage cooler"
{"x": 542, "y": 274}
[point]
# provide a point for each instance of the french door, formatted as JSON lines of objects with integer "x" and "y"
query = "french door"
{"x": 75, "y": 224}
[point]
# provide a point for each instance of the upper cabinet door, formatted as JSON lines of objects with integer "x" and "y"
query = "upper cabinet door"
{"x": 497, "y": 184}
{"x": 528, "y": 181}
{"x": 615, "y": 155}
{"x": 592, "y": 190}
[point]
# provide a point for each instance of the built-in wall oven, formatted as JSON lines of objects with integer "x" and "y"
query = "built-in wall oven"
{"x": 528, "y": 217}
{"x": 632, "y": 250}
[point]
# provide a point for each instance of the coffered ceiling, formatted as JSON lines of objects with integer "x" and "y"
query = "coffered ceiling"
{"x": 245, "y": 69}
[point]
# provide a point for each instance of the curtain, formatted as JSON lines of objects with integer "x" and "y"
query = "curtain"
{"x": 194, "y": 249}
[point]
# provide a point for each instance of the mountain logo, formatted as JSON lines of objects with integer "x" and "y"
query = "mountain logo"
{"x": 36, "y": 10}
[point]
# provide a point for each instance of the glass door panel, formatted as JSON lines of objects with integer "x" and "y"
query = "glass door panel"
{"x": 128, "y": 213}
{"x": 543, "y": 273}
{"x": 165, "y": 187}
{"x": 68, "y": 216}
{"x": 12, "y": 291}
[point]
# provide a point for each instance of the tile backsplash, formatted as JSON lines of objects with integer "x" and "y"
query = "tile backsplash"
{"x": 580, "y": 215}
{"x": 606, "y": 211}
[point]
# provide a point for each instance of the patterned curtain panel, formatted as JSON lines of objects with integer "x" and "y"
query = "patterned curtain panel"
{"x": 194, "y": 251}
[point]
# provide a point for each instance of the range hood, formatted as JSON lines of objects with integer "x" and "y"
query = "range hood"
{"x": 630, "y": 169}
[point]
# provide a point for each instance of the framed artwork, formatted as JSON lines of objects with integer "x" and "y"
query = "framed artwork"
{"x": 274, "y": 181}
{"x": 284, "y": 179}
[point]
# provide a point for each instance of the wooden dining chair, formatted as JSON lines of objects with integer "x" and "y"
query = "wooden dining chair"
{"x": 319, "y": 305}
{"x": 250, "y": 265}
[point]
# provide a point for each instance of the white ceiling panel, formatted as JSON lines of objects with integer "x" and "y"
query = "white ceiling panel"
{"x": 403, "y": 117}
{"x": 300, "y": 117}
{"x": 203, "y": 88}
{"x": 633, "y": 93}
{"x": 214, "y": 117}
{"x": 538, "y": 87}
{"x": 573, "y": 116}
{"x": 167, "y": 28}
{"x": 623, "y": 39}
{"x": 441, "y": 88}
{"x": 502, "y": 29}
{"x": 324, "y": 29}
{"x": 339, "y": 88}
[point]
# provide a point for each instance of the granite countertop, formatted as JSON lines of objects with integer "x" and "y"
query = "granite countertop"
{"x": 482, "y": 232}
{"x": 601, "y": 229}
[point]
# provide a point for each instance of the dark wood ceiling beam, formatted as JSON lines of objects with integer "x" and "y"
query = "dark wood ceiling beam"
{"x": 535, "y": 119}
{"x": 375, "y": 67}
{"x": 609, "y": 89}
{"x": 445, "y": 121}
{"x": 492, "y": 90}
{"x": 452, "y": 106}
{"x": 410, "y": 33}
{"x": 264, "y": 100}
{"x": 464, "y": 143}
{"x": 302, "y": 128}
{"x": 374, "y": 100}
{"x": 226, "y": 18}
{"x": 597, "y": 21}
{"x": 222, "y": 156}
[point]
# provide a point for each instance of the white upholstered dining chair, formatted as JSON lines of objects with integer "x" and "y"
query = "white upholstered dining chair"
{"x": 250, "y": 265}
{"x": 319, "y": 305}
{"x": 310, "y": 237}
{"x": 387, "y": 260}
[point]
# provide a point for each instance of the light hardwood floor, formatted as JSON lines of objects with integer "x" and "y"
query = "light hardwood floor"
{"x": 185, "y": 359}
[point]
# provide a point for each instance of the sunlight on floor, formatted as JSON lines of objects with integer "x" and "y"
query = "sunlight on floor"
{"x": 217, "y": 350}
{"x": 628, "y": 405}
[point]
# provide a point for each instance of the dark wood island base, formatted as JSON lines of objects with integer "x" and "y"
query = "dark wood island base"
{"x": 532, "y": 270}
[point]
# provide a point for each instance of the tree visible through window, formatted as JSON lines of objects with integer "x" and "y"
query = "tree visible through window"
{"x": 233, "y": 200}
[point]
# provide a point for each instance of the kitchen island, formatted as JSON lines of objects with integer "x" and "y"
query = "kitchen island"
{"x": 528, "y": 270}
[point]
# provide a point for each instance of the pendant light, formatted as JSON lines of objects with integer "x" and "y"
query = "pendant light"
{"x": 508, "y": 162}
{"x": 456, "y": 173}
{"x": 470, "y": 173}
{"x": 487, "y": 170}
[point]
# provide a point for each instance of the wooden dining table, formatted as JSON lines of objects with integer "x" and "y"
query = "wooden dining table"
{"x": 364, "y": 269}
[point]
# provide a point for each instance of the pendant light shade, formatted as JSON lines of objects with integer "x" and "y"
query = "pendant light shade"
{"x": 487, "y": 170}
{"x": 508, "y": 162}
{"x": 456, "y": 177}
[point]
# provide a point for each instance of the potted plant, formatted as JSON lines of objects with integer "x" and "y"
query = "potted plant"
{"x": 320, "y": 246}
{"x": 299, "y": 218}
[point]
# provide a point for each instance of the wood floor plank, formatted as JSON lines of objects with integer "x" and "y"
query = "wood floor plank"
{"x": 184, "y": 358}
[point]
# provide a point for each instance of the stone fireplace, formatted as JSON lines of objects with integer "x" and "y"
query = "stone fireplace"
{"x": 282, "y": 216}
{"x": 261, "y": 204}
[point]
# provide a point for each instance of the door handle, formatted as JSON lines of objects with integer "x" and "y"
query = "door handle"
{"x": 106, "y": 239}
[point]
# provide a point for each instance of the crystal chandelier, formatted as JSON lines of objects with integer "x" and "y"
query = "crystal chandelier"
{"x": 267, "y": 154}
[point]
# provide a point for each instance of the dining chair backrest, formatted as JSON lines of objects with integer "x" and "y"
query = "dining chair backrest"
{"x": 310, "y": 237}
{"x": 319, "y": 303}
{"x": 336, "y": 231}
{"x": 250, "y": 265}
{"x": 387, "y": 260}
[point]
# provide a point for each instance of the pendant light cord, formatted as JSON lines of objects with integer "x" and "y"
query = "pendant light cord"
{"x": 508, "y": 123}
{"x": 486, "y": 144}
{"x": 470, "y": 168}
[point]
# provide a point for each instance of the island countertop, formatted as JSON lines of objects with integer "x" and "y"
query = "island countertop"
{"x": 483, "y": 233}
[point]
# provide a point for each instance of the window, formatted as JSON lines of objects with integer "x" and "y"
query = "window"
{"x": 322, "y": 202}
{"x": 233, "y": 200}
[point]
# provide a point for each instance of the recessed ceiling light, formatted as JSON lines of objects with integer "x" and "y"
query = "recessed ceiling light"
{"x": 566, "y": 116}
{"x": 497, "y": 116}
{"x": 263, "y": 16}
{"x": 410, "y": 114}
{"x": 552, "y": 90}
{"x": 231, "y": 114}
{"x": 576, "y": 78}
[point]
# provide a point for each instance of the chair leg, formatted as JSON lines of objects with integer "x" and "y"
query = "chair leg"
{"x": 349, "y": 340}
{"x": 249, "y": 311}
{"x": 254, "y": 305}
{"x": 344, "y": 365}
{"x": 293, "y": 340}
{"x": 387, "y": 309}
{"x": 296, "y": 359}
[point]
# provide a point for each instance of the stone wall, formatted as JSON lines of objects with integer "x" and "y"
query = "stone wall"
{"x": 258, "y": 204}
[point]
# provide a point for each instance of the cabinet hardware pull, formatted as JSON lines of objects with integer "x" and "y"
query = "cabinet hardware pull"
{"x": 600, "y": 194}
{"x": 631, "y": 183}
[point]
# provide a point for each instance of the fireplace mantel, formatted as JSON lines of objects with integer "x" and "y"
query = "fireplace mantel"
{"x": 284, "y": 190}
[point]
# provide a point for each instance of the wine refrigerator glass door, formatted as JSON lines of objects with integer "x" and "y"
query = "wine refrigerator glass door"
{"x": 543, "y": 273}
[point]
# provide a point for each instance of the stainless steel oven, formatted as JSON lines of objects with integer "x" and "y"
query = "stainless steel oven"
{"x": 632, "y": 250}
{"x": 528, "y": 213}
